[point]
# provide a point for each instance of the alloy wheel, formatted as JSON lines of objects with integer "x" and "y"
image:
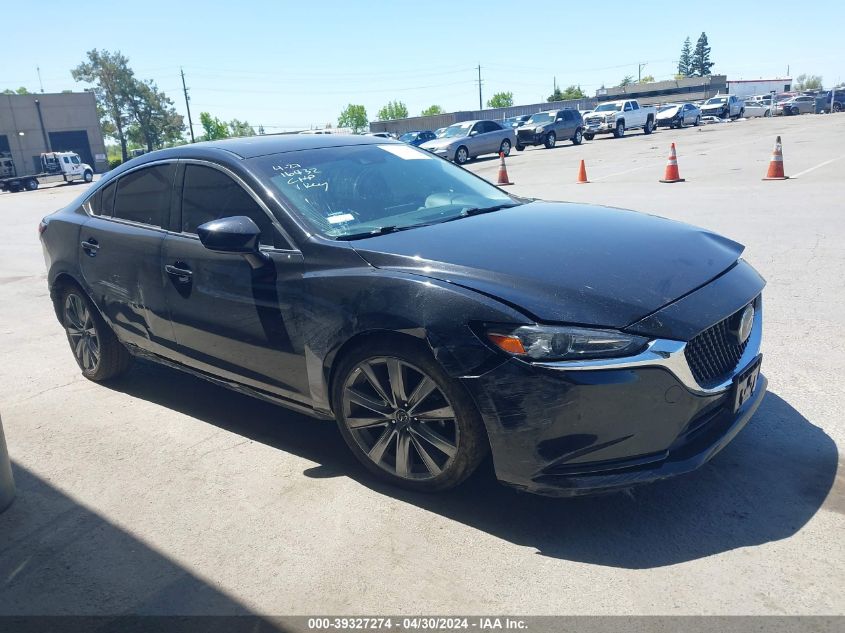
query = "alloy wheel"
{"x": 82, "y": 333}
{"x": 462, "y": 156}
{"x": 400, "y": 418}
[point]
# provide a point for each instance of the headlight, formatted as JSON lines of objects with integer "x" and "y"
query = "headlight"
{"x": 537, "y": 342}
{"x": 538, "y": 129}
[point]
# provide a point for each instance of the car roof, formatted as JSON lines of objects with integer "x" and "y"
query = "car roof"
{"x": 252, "y": 146}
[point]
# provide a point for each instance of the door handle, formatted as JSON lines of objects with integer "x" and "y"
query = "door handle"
{"x": 90, "y": 246}
{"x": 180, "y": 274}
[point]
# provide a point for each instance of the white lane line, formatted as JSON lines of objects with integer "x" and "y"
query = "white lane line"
{"x": 807, "y": 171}
{"x": 619, "y": 173}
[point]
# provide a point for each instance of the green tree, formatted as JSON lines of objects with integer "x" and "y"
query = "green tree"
{"x": 355, "y": 117}
{"x": 432, "y": 110}
{"x": 574, "y": 92}
{"x": 393, "y": 110}
{"x": 501, "y": 100}
{"x": 557, "y": 95}
{"x": 214, "y": 127}
{"x": 685, "y": 61}
{"x": 240, "y": 128}
{"x": 808, "y": 82}
{"x": 154, "y": 121}
{"x": 19, "y": 91}
{"x": 627, "y": 80}
{"x": 648, "y": 79}
{"x": 113, "y": 82}
{"x": 701, "y": 64}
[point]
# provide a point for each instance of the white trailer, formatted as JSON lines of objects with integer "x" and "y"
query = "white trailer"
{"x": 744, "y": 88}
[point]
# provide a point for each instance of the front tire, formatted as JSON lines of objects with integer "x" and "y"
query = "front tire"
{"x": 589, "y": 136}
{"x": 550, "y": 140}
{"x": 31, "y": 184}
{"x": 462, "y": 155}
{"x": 88, "y": 176}
{"x": 404, "y": 419}
{"x": 505, "y": 147}
{"x": 96, "y": 349}
{"x": 697, "y": 121}
{"x": 619, "y": 131}
{"x": 520, "y": 147}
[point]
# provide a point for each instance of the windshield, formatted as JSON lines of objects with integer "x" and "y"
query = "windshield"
{"x": 716, "y": 100}
{"x": 408, "y": 137}
{"x": 542, "y": 117}
{"x": 459, "y": 129}
{"x": 343, "y": 191}
{"x": 609, "y": 107}
{"x": 668, "y": 106}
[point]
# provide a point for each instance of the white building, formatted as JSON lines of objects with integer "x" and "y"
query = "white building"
{"x": 743, "y": 88}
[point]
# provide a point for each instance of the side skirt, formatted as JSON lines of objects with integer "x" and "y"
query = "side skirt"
{"x": 234, "y": 386}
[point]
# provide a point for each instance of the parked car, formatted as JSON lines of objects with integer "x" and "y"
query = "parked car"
{"x": 757, "y": 108}
{"x": 426, "y": 311}
{"x": 545, "y": 128}
{"x": 619, "y": 116}
{"x": 439, "y": 132}
{"x": 724, "y": 107}
{"x": 417, "y": 137}
{"x": 516, "y": 121}
{"x": 838, "y": 100}
{"x": 469, "y": 139}
{"x": 801, "y": 104}
{"x": 380, "y": 134}
{"x": 678, "y": 115}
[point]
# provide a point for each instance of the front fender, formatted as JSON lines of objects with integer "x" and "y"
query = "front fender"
{"x": 345, "y": 304}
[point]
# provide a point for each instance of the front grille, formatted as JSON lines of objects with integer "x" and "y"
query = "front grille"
{"x": 594, "y": 119}
{"x": 715, "y": 353}
{"x": 526, "y": 134}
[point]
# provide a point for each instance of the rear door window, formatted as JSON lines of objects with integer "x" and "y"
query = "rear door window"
{"x": 143, "y": 196}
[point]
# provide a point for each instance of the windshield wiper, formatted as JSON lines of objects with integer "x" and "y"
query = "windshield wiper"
{"x": 382, "y": 230}
{"x": 465, "y": 213}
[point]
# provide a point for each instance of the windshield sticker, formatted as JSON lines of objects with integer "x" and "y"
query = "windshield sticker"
{"x": 404, "y": 152}
{"x": 339, "y": 218}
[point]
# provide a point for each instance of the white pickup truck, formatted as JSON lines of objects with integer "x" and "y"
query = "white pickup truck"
{"x": 619, "y": 116}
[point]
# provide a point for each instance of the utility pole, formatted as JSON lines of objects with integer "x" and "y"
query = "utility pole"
{"x": 480, "y": 101}
{"x": 40, "y": 83}
{"x": 640, "y": 71}
{"x": 187, "y": 105}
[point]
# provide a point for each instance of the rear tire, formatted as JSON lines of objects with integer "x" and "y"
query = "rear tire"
{"x": 31, "y": 184}
{"x": 407, "y": 440}
{"x": 96, "y": 349}
{"x": 649, "y": 126}
{"x": 505, "y": 147}
{"x": 578, "y": 138}
{"x": 697, "y": 121}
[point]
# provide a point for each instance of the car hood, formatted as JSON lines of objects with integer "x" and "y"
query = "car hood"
{"x": 441, "y": 142}
{"x": 714, "y": 106}
{"x": 668, "y": 113}
{"x": 562, "y": 262}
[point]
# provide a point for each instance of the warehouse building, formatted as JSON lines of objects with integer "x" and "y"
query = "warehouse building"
{"x": 686, "y": 89}
{"x": 36, "y": 123}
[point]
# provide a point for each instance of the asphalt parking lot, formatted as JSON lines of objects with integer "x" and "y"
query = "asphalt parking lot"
{"x": 161, "y": 494}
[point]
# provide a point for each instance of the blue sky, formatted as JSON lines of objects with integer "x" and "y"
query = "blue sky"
{"x": 297, "y": 64}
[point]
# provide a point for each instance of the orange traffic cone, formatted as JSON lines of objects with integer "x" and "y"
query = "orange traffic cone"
{"x": 503, "y": 172}
{"x": 776, "y": 164}
{"x": 671, "y": 174}
{"x": 582, "y": 174}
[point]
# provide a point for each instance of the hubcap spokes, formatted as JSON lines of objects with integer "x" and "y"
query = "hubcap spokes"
{"x": 81, "y": 333}
{"x": 400, "y": 418}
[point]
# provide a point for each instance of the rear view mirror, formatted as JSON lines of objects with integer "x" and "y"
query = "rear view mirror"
{"x": 237, "y": 234}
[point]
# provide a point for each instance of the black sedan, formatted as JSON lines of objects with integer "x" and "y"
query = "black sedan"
{"x": 433, "y": 315}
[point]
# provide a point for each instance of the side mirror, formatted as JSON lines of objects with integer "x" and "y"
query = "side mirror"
{"x": 237, "y": 234}
{"x": 473, "y": 133}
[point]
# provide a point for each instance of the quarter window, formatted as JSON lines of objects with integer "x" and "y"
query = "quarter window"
{"x": 209, "y": 194}
{"x": 143, "y": 196}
